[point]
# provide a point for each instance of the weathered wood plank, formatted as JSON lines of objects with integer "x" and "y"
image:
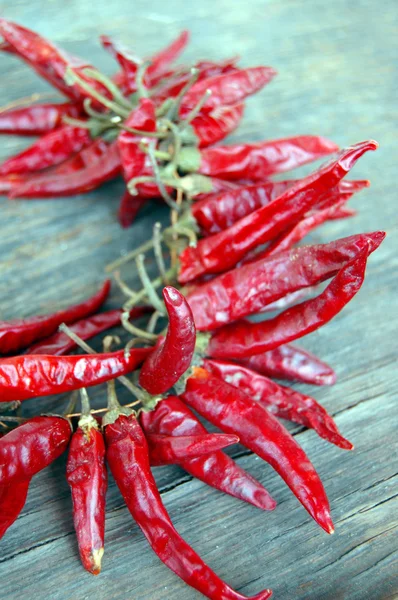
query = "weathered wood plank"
{"x": 337, "y": 78}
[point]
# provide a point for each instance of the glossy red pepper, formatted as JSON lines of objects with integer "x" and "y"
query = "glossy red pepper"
{"x": 29, "y": 376}
{"x": 54, "y": 185}
{"x": 281, "y": 401}
{"x": 60, "y": 343}
{"x": 245, "y": 339}
{"x": 211, "y": 127}
{"x": 12, "y": 500}
{"x": 169, "y": 361}
{"x": 36, "y": 119}
{"x": 127, "y": 455}
{"x": 129, "y": 207}
{"x": 19, "y": 333}
{"x": 31, "y": 447}
{"x": 218, "y": 470}
{"x": 224, "y": 250}
{"x": 248, "y": 289}
{"x": 169, "y": 450}
{"x": 87, "y": 476}
{"x": 291, "y": 363}
{"x": 235, "y": 412}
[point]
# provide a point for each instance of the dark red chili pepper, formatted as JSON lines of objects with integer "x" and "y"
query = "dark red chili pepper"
{"x": 28, "y": 376}
{"x": 87, "y": 476}
{"x": 54, "y": 185}
{"x": 129, "y": 207}
{"x": 223, "y": 250}
{"x": 292, "y": 363}
{"x": 169, "y": 450}
{"x": 60, "y": 343}
{"x": 31, "y": 447}
{"x": 243, "y": 338}
{"x": 229, "y": 88}
{"x": 211, "y": 127}
{"x": 169, "y": 361}
{"x": 19, "y": 333}
{"x": 36, "y": 119}
{"x": 12, "y": 501}
{"x": 281, "y": 401}
{"x": 127, "y": 454}
{"x": 235, "y": 412}
{"x": 162, "y": 59}
{"x": 248, "y": 289}
{"x": 218, "y": 470}
{"x": 51, "y": 149}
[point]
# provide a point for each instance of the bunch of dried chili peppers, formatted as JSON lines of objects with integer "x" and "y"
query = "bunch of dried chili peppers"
{"x": 230, "y": 253}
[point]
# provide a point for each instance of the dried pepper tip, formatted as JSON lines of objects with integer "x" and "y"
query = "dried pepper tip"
{"x": 94, "y": 564}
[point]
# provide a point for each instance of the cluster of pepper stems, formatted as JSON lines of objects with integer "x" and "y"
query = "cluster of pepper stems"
{"x": 229, "y": 253}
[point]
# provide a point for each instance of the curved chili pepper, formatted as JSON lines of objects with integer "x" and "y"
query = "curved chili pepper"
{"x": 31, "y": 447}
{"x": 51, "y": 149}
{"x": 129, "y": 207}
{"x": 87, "y": 476}
{"x": 223, "y": 250}
{"x": 36, "y": 119}
{"x": 292, "y": 363}
{"x": 127, "y": 455}
{"x": 214, "y": 126}
{"x": 169, "y": 450}
{"x": 12, "y": 500}
{"x": 229, "y": 88}
{"x": 60, "y": 343}
{"x": 162, "y": 59}
{"x": 281, "y": 401}
{"x": 19, "y": 333}
{"x": 28, "y": 376}
{"x": 218, "y": 470}
{"x": 226, "y": 298}
{"x": 50, "y": 185}
{"x": 234, "y": 412}
{"x": 167, "y": 363}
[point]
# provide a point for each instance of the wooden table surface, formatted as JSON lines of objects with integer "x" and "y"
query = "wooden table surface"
{"x": 337, "y": 64}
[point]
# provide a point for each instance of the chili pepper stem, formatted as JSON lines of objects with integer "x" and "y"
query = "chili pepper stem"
{"x": 147, "y": 285}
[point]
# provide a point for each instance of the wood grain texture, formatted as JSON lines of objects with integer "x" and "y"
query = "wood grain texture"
{"x": 337, "y": 64}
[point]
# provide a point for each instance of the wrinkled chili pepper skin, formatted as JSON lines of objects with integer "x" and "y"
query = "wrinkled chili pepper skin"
{"x": 31, "y": 447}
{"x": 169, "y": 450}
{"x": 214, "y": 126}
{"x": 36, "y": 119}
{"x": 281, "y": 401}
{"x": 51, "y": 149}
{"x": 224, "y": 250}
{"x": 218, "y": 470}
{"x": 291, "y": 363}
{"x": 235, "y": 412}
{"x": 169, "y": 361}
{"x": 245, "y": 339}
{"x": 227, "y": 89}
{"x": 127, "y": 455}
{"x": 28, "y": 376}
{"x": 60, "y": 343}
{"x": 87, "y": 476}
{"x": 55, "y": 185}
{"x": 227, "y": 298}
{"x": 12, "y": 501}
{"x": 19, "y": 333}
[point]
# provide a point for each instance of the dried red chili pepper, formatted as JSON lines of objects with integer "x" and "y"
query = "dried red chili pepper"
{"x": 169, "y": 450}
{"x": 292, "y": 363}
{"x": 36, "y": 119}
{"x": 223, "y": 250}
{"x": 12, "y": 500}
{"x": 28, "y": 376}
{"x": 129, "y": 207}
{"x": 19, "y": 333}
{"x": 127, "y": 455}
{"x": 169, "y": 361}
{"x": 31, "y": 447}
{"x": 87, "y": 476}
{"x": 281, "y": 401}
{"x": 54, "y": 185}
{"x": 245, "y": 339}
{"x": 235, "y": 412}
{"x": 60, "y": 343}
{"x": 226, "y": 298}
{"x": 218, "y": 470}
{"x": 214, "y": 126}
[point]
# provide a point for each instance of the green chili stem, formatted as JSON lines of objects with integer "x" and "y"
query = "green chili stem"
{"x": 110, "y": 86}
{"x": 157, "y": 249}
{"x": 130, "y": 256}
{"x": 136, "y": 330}
{"x": 71, "y": 77}
{"x": 147, "y": 285}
